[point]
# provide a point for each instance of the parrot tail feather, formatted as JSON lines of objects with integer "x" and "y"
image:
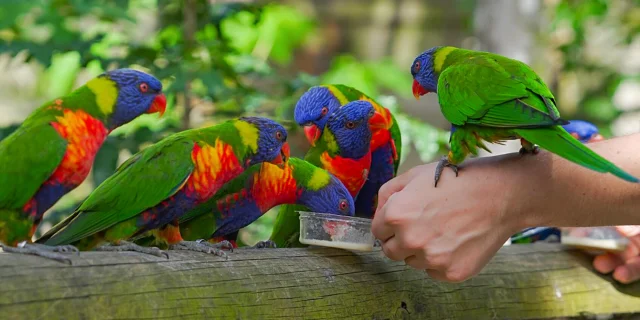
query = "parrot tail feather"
{"x": 557, "y": 140}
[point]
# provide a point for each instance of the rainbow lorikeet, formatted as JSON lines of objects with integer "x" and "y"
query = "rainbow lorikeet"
{"x": 312, "y": 112}
{"x": 152, "y": 189}
{"x": 260, "y": 188}
{"x": 52, "y": 151}
{"x": 584, "y": 131}
{"x": 343, "y": 149}
{"x": 489, "y": 97}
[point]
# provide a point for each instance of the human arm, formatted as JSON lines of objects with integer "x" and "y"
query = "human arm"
{"x": 455, "y": 229}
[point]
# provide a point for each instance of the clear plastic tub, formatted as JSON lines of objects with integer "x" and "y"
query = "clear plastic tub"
{"x": 330, "y": 230}
{"x": 594, "y": 238}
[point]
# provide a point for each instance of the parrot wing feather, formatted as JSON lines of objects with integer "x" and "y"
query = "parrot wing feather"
{"x": 479, "y": 91}
{"x": 159, "y": 172}
{"x": 28, "y": 157}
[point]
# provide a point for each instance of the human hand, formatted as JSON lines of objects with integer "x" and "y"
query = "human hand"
{"x": 626, "y": 265}
{"x": 451, "y": 231}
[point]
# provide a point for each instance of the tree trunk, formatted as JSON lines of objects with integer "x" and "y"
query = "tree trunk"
{"x": 522, "y": 281}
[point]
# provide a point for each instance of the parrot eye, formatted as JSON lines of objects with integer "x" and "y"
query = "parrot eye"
{"x": 343, "y": 205}
{"x": 324, "y": 111}
{"x": 350, "y": 125}
{"x": 416, "y": 67}
{"x": 144, "y": 87}
{"x": 278, "y": 135}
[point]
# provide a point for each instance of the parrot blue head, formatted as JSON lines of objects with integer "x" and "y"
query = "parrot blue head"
{"x": 137, "y": 93}
{"x": 272, "y": 141}
{"x": 333, "y": 198}
{"x": 313, "y": 110}
{"x": 349, "y": 126}
{"x": 583, "y": 130}
{"x": 425, "y": 79}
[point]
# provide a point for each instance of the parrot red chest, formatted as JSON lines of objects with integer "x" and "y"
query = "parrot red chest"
{"x": 214, "y": 166}
{"x": 84, "y": 135}
{"x": 352, "y": 172}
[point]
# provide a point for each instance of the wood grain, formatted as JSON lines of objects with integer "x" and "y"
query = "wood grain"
{"x": 522, "y": 281}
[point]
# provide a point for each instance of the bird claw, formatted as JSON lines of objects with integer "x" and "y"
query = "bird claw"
{"x": 202, "y": 246}
{"x": 224, "y": 244}
{"x": 264, "y": 245}
{"x": 444, "y": 162}
{"x": 63, "y": 248}
{"x": 129, "y": 246}
{"x": 27, "y": 248}
{"x": 377, "y": 243}
{"x": 534, "y": 150}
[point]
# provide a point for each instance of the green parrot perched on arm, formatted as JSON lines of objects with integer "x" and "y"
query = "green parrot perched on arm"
{"x": 343, "y": 149}
{"x": 152, "y": 189}
{"x": 52, "y": 151}
{"x": 489, "y": 97}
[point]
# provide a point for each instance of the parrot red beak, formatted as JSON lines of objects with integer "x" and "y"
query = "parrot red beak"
{"x": 418, "y": 90}
{"x": 283, "y": 157}
{"x": 312, "y": 133}
{"x": 596, "y": 137}
{"x": 159, "y": 104}
{"x": 377, "y": 121}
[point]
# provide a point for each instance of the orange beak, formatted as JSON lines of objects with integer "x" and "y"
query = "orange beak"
{"x": 596, "y": 137}
{"x": 377, "y": 121}
{"x": 418, "y": 90}
{"x": 312, "y": 133}
{"x": 283, "y": 157}
{"x": 159, "y": 104}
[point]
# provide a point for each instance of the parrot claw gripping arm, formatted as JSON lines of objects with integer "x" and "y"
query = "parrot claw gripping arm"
{"x": 204, "y": 247}
{"x": 528, "y": 147}
{"x": 129, "y": 246}
{"x": 41, "y": 251}
{"x": 444, "y": 162}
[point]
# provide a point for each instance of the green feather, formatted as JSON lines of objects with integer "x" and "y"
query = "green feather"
{"x": 559, "y": 141}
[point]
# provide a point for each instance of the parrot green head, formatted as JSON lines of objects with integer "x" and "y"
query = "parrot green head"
{"x": 122, "y": 95}
{"x": 426, "y": 68}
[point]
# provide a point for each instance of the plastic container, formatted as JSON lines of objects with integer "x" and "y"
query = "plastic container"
{"x": 594, "y": 238}
{"x": 336, "y": 231}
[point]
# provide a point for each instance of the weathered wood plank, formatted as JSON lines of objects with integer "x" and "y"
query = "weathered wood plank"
{"x": 522, "y": 281}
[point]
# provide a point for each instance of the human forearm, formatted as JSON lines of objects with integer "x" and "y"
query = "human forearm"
{"x": 548, "y": 190}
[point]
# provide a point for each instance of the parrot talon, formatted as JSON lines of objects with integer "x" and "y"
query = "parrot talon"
{"x": 224, "y": 244}
{"x": 377, "y": 243}
{"x": 264, "y": 245}
{"x": 62, "y": 248}
{"x": 444, "y": 162}
{"x": 202, "y": 246}
{"x": 25, "y": 248}
{"x": 129, "y": 246}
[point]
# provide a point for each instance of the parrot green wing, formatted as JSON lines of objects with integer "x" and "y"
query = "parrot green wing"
{"x": 397, "y": 140}
{"x": 479, "y": 91}
{"x": 160, "y": 171}
{"x": 28, "y": 157}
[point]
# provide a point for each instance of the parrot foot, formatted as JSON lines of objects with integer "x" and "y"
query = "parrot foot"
{"x": 204, "y": 247}
{"x": 264, "y": 245}
{"x": 534, "y": 150}
{"x": 377, "y": 243}
{"x": 27, "y": 248}
{"x": 63, "y": 248}
{"x": 129, "y": 246}
{"x": 444, "y": 162}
